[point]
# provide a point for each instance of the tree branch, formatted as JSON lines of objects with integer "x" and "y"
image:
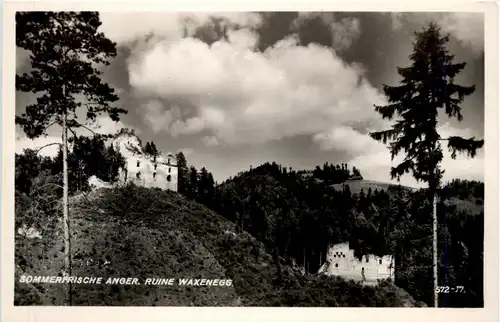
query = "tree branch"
{"x": 461, "y": 145}
{"x": 48, "y": 64}
{"x": 92, "y": 103}
{"x": 77, "y": 124}
{"x": 74, "y": 133}
{"x": 88, "y": 129}
{"x": 55, "y": 122}
{"x": 45, "y": 185}
{"x": 46, "y": 145}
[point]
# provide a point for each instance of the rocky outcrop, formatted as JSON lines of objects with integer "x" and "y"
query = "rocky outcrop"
{"x": 95, "y": 183}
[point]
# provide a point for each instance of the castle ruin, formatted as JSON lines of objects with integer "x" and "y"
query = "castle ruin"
{"x": 340, "y": 261}
{"x": 142, "y": 169}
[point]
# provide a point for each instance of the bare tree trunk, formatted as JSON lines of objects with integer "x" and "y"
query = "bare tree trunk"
{"x": 304, "y": 261}
{"x": 434, "y": 247}
{"x": 67, "y": 241}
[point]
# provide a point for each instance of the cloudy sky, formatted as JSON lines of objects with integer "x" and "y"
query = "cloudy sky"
{"x": 238, "y": 89}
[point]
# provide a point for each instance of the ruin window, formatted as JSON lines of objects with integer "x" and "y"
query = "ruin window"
{"x": 343, "y": 255}
{"x": 380, "y": 261}
{"x": 334, "y": 255}
{"x": 169, "y": 170}
{"x": 336, "y": 265}
{"x": 154, "y": 175}
{"x": 138, "y": 163}
{"x": 169, "y": 178}
{"x": 138, "y": 175}
{"x": 367, "y": 259}
{"x": 155, "y": 166}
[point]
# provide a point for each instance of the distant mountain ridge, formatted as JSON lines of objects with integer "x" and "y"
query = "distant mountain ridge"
{"x": 356, "y": 185}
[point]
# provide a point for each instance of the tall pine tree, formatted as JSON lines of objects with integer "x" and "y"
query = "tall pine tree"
{"x": 427, "y": 86}
{"x": 183, "y": 173}
{"x": 193, "y": 183}
{"x": 65, "y": 51}
{"x": 154, "y": 150}
{"x": 147, "y": 149}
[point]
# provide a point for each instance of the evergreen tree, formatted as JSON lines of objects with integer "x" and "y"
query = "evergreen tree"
{"x": 210, "y": 190}
{"x": 28, "y": 166}
{"x": 66, "y": 48}
{"x": 193, "y": 183}
{"x": 150, "y": 149}
{"x": 154, "y": 151}
{"x": 317, "y": 172}
{"x": 427, "y": 86}
{"x": 355, "y": 172}
{"x": 114, "y": 161}
{"x": 202, "y": 185}
{"x": 90, "y": 157}
{"x": 147, "y": 149}
{"x": 183, "y": 173}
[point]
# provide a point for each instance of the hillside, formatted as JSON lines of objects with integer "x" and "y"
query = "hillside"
{"x": 139, "y": 232}
{"x": 299, "y": 213}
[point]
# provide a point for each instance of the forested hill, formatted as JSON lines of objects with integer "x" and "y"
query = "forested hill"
{"x": 298, "y": 213}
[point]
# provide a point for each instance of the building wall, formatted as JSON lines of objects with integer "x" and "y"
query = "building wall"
{"x": 340, "y": 260}
{"x": 145, "y": 172}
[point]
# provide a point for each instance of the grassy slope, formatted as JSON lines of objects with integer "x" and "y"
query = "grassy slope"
{"x": 150, "y": 233}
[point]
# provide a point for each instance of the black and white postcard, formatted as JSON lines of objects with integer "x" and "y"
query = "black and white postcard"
{"x": 221, "y": 160}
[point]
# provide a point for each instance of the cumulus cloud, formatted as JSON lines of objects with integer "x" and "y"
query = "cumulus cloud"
{"x": 244, "y": 96}
{"x": 466, "y": 27}
{"x": 347, "y": 139}
{"x": 105, "y": 125}
{"x": 125, "y": 28}
{"x": 187, "y": 151}
{"x": 192, "y": 125}
{"x": 344, "y": 31}
{"x": 243, "y": 38}
{"x": 157, "y": 117}
{"x": 228, "y": 93}
{"x": 210, "y": 141}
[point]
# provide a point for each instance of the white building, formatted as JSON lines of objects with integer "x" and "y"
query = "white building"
{"x": 142, "y": 169}
{"x": 340, "y": 261}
